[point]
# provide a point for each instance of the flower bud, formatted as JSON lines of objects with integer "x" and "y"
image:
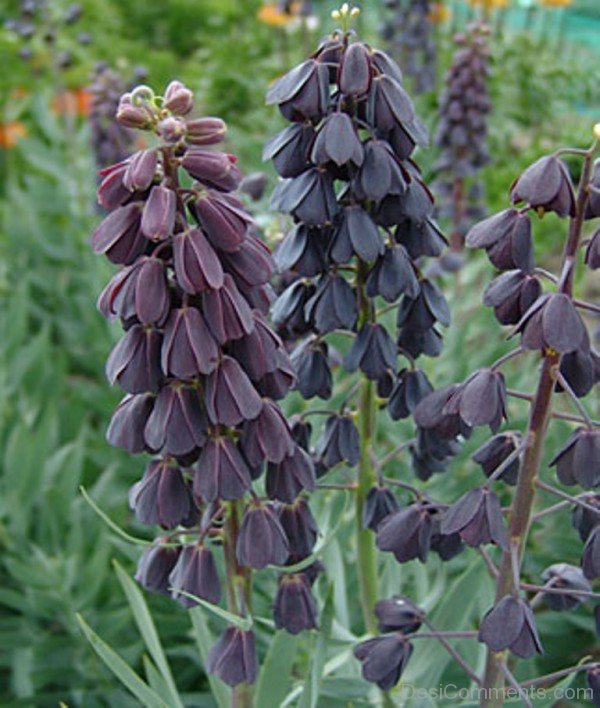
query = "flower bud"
{"x": 205, "y": 131}
{"x": 178, "y": 99}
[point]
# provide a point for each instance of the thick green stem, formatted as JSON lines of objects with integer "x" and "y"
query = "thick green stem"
{"x": 541, "y": 410}
{"x": 366, "y": 565}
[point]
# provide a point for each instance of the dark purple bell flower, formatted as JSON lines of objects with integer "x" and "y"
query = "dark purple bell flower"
{"x": 119, "y": 236}
{"x": 355, "y": 70}
{"x": 289, "y": 149}
{"x": 480, "y": 400}
{"x": 188, "y": 347}
{"x": 339, "y": 442}
{"x": 227, "y": 312}
{"x": 337, "y": 142}
{"x": 301, "y": 431}
{"x": 373, "y": 352}
{"x": 578, "y": 461}
{"x": 294, "y": 608}
{"x": 447, "y": 546}
{"x": 233, "y": 657}
{"x": 552, "y": 322}
{"x": 563, "y": 576}
{"x": 398, "y": 614}
{"x": 406, "y": 533}
{"x": 510, "y": 624}
{"x": 140, "y": 171}
{"x": 477, "y": 517}
{"x": 126, "y": 427}
{"x": 155, "y": 566}
{"x": 300, "y": 527}
{"x": 506, "y": 237}
{"x": 158, "y": 215}
{"x": 422, "y": 312}
{"x": 195, "y": 573}
{"x": 411, "y": 387}
{"x": 213, "y": 169}
{"x": 135, "y": 360}
{"x": 258, "y": 352}
{"x": 267, "y": 437}
{"x": 590, "y": 559}
{"x": 592, "y": 250}
{"x": 381, "y": 174}
{"x": 112, "y": 193}
{"x": 162, "y": 496}
{"x": 262, "y": 540}
{"x": 584, "y": 520}
{"x": 177, "y": 424}
{"x": 357, "y": 234}
{"x": 304, "y": 250}
{"x": 302, "y": 92}
{"x": 393, "y": 275}
{"x": 430, "y": 413}
{"x": 197, "y": 266}
{"x": 139, "y": 290}
{"x": 221, "y": 471}
{"x": 333, "y": 306}
{"x": 379, "y": 504}
{"x": 310, "y": 197}
{"x": 254, "y": 185}
{"x": 311, "y": 363}
{"x": 388, "y": 104}
{"x": 511, "y": 295}
{"x": 545, "y": 185}
{"x": 288, "y": 310}
{"x": 422, "y": 238}
{"x": 251, "y": 264}
{"x": 223, "y": 219}
{"x": 581, "y": 370}
{"x": 286, "y": 479}
{"x": 384, "y": 659}
{"x": 230, "y": 396}
{"x": 493, "y": 453}
{"x": 278, "y": 382}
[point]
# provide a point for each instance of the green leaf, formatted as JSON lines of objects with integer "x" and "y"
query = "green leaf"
{"x": 312, "y": 685}
{"x": 148, "y": 631}
{"x": 110, "y": 523}
{"x": 204, "y": 641}
{"x": 244, "y": 623}
{"x": 275, "y": 680}
{"x": 121, "y": 669}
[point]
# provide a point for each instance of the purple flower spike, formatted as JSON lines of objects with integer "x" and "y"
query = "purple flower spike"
{"x": 295, "y": 608}
{"x": 162, "y": 496}
{"x": 477, "y": 516}
{"x": 289, "y": 477}
{"x": 155, "y": 566}
{"x": 197, "y": 266}
{"x": 177, "y": 424}
{"x": 126, "y": 428}
{"x": 262, "y": 540}
{"x": 406, "y": 533}
{"x": 233, "y": 657}
{"x": 221, "y": 472}
{"x": 545, "y": 185}
{"x": 158, "y": 216}
{"x": 384, "y": 659}
{"x": 188, "y": 347}
{"x": 510, "y": 625}
{"x": 135, "y": 360}
{"x": 195, "y": 573}
{"x": 230, "y": 396}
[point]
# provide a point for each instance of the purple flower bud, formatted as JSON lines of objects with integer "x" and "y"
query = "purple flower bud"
{"x": 126, "y": 428}
{"x": 311, "y": 364}
{"x": 223, "y": 219}
{"x": 590, "y": 559}
{"x": 155, "y": 566}
{"x": 197, "y": 266}
{"x": 398, "y": 614}
{"x": 410, "y": 389}
{"x": 356, "y": 233}
{"x": 384, "y": 659}
{"x": 230, "y": 396}
{"x": 112, "y": 193}
{"x": 177, "y": 424}
{"x": 553, "y": 322}
{"x": 267, "y": 437}
{"x": 135, "y": 360}
{"x": 510, "y": 624}
{"x": 477, "y": 516}
{"x": 379, "y": 504}
{"x": 158, "y": 216}
{"x": 511, "y": 295}
{"x": 286, "y": 479}
{"x": 480, "y": 400}
{"x": 195, "y": 573}
{"x": 578, "y": 461}
{"x": 138, "y": 116}
{"x": 227, "y": 312}
{"x": 337, "y": 142}
{"x": 584, "y": 520}
{"x": 221, "y": 471}
{"x": 373, "y": 351}
{"x": 188, "y": 347}
{"x": 506, "y": 237}
{"x": 162, "y": 496}
{"x": 333, "y": 306}
{"x": 493, "y": 453}
{"x": 139, "y": 290}
{"x": 261, "y": 540}
{"x": 339, "y": 442}
{"x": 258, "y": 352}
{"x": 171, "y": 129}
{"x": 545, "y": 185}
{"x": 251, "y": 264}
{"x": 215, "y": 170}
{"x": 140, "y": 171}
{"x": 233, "y": 657}
{"x": 563, "y": 576}
{"x": 581, "y": 369}
{"x": 119, "y": 236}
{"x": 406, "y": 533}
{"x": 393, "y": 275}
{"x": 300, "y": 527}
{"x": 205, "y": 131}
{"x": 294, "y": 608}
{"x": 178, "y": 99}
{"x": 355, "y": 71}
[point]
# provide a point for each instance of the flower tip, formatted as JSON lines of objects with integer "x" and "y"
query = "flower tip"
{"x": 142, "y": 94}
{"x": 596, "y": 131}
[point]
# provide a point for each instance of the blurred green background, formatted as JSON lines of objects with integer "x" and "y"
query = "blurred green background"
{"x": 55, "y": 403}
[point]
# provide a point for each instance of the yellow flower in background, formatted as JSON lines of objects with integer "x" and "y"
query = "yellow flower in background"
{"x": 439, "y": 13}
{"x": 11, "y": 133}
{"x": 555, "y": 3}
{"x": 489, "y": 4}
{"x": 274, "y": 15}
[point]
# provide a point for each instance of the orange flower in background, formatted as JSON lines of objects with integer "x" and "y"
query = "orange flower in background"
{"x": 272, "y": 15}
{"x": 11, "y": 133}
{"x": 74, "y": 102}
{"x": 556, "y": 3}
{"x": 439, "y": 13}
{"x": 489, "y": 4}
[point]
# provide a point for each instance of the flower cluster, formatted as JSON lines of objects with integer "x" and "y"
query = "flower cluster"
{"x": 462, "y": 133}
{"x": 202, "y": 372}
{"x": 409, "y": 33}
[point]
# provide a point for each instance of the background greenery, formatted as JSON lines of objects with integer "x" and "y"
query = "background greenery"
{"x": 56, "y": 552}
